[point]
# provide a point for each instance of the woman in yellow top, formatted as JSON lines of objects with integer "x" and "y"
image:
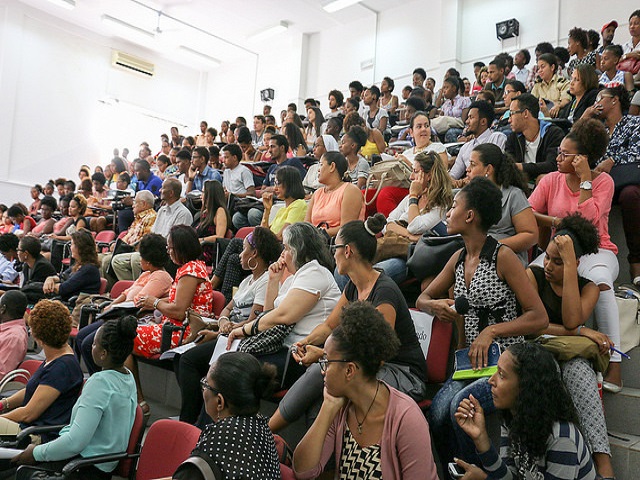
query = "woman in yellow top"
{"x": 288, "y": 187}
{"x": 375, "y": 144}
{"x": 552, "y": 90}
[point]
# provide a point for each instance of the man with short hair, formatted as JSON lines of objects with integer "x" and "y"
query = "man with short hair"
{"x": 146, "y": 178}
{"x": 520, "y": 61}
{"x": 200, "y": 139}
{"x": 126, "y": 266}
{"x": 355, "y": 89}
{"x": 511, "y": 91}
{"x": 257, "y": 134}
{"x": 533, "y": 143}
{"x": 8, "y": 256}
{"x": 182, "y": 174}
{"x": 266, "y": 110}
{"x": 200, "y": 171}
{"x": 608, "y": 32}
{"x": 238, "y": 179}
{"x": 13, "y": 331}
{"x": 479, "y": 120}
{"x": 497, "y": 80}
{"x": 336, "y": 99}
{"x": 374, "y": 116}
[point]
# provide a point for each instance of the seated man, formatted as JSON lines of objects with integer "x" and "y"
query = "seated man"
{"x": 144, "y": 219}
{"x": 238, "y": 179}
{"x": 497, "y": 82}
{"x": 8, "y": 257}
{"x": 13, "y": 331}
{"x": 375, "y": 116}
{"x": 511, "y": 91}
{"x": 478, "y": 122}
{"x": 454, "y": 110}
{"x": 126, "y": 266}
{"x": 200, "y": 171}
{"x": 533, "y": 143}
{"x": 145, "y": 180}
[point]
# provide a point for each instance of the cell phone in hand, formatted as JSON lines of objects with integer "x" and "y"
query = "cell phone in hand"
{"x": 455, "y": 470}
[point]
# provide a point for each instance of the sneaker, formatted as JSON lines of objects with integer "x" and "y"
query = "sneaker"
{"x": 611, "y": 387}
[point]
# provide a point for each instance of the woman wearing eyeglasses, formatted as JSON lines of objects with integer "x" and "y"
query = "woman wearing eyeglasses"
{"x": 373, "y": 430}
{"x": 354, "y": 251}
{"x": 579, "y": 187}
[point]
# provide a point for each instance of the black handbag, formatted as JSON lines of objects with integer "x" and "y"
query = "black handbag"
{"x": 243, "y": 205}
{"x": 267, "y": 341}
{"x": 625, "y": 174}
{"x": 430, "y": 254}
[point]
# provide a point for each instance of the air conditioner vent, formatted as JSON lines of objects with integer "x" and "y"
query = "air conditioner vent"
{"x": 131, "y": 63}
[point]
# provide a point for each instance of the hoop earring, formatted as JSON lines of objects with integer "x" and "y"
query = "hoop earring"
{"x": 249, "y": 264}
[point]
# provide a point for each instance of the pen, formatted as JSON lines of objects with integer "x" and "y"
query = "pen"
{"x": 621, "y": 353}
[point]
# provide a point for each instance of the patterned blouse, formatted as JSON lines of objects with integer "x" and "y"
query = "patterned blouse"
{"x": 624, "y": 146}
{"x": 204, "y": 293}
{"x": 491, "y": 300}
{"x": 358, "y": 462}
{"x": 589, "y": 58}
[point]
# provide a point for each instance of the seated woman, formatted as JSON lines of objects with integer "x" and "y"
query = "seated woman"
{"x": 494, "y": 282}
{"x": 238, "y": 444}
{"x": 22, "y": 224}
{"x": 517, "y": 228}
{"x": 541, "y": 438}
{"x": 569, "y": 300}
{"x": 35, "y": 268}
{"x": 420, "y": 130}
{"x": 316, "y": 126}
{"x": 214, "y": 219}
{"x": 430, "y": 196}
{"x": 552, "y": 91}
{"x": 338, "y": 201}
{"x": 368, "y": 425}
{"x": 65, "y": 220}
{"x": 578, "y": 186}
{"x": 77, "y": 210}
{"x": 354, "y": 251}
{"x": 35, "y": 191}
{"x": 374, "y": 144}
{"x": 583, "y": 89}
{"x": 83, "y": 276}
{"x": 102, "y": 418}
{"x": 323, "y": 144}
{"x": 53, "y": 389}
{"x": 46, "y": 223}
{"x": 295, "y": 137}
{"x": 191, "y": 289}
{"x": 154, "y": 281}
{"x": 260, "y": 249}
{"x": 350, "y": 144}
{"x": 302, "y": 301}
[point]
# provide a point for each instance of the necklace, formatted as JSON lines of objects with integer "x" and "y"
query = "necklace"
{"x": 360, "y": 423}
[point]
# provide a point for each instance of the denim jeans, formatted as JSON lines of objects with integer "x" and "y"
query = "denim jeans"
{"x": 253, "y": 218}
{"x": 448, "y": 437}
{"x": 395, "y": 268}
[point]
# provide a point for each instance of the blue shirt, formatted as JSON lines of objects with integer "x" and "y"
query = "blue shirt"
{"x": 207, "y": 174}
{"x": 153, "y": 184}
{"x": 270, "y": 178}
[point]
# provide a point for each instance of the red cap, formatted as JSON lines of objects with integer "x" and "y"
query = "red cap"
{"x": 612, "y": 23}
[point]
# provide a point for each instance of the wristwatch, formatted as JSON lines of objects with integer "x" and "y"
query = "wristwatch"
{"x": 586, "y": 185}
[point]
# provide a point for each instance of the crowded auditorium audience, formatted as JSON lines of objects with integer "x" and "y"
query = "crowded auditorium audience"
{"x": 523, "y": 165}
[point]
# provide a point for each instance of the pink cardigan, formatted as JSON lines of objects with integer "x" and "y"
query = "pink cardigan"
{"x": 405, "y": 447}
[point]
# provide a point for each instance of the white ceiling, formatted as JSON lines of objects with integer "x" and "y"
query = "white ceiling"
{"x": 221, "y": 28}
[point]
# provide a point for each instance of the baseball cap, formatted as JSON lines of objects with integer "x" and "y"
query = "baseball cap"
{"x": 612, "y": 23}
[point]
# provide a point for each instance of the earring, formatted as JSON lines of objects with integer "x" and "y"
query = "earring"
{"x": 249, "y": 264}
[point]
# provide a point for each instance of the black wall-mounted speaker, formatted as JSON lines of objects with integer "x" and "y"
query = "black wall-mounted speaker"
{"x": 508, "y": 29}
{"x": 267, "y": 94}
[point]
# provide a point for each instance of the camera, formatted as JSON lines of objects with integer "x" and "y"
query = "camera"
{"x": 116, "y": 201}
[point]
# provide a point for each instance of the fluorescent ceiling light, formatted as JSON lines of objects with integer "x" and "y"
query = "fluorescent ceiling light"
{"x": 336, "y": 5}
{"x": 269, "y": 32}
{"x": 199, "y": 56}
{"x": 126, "y": 29}
{"x": 68, "y": 4}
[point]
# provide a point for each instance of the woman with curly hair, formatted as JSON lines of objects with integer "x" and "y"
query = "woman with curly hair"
{"x": 354, "y": 252}
{"x": 539, "y": 437}
{"x": 578, "y": 186}
{"x": 53, "y": 389}
{"x": 84, "y": 275}
{"x": 102, "y": 418}
{"x": 517, "y": 228}
{"x": 578, "y": 45}
{"x": 259, "y": 250}
{"x": 350, "y": 146}
{"x": 569, "y": 300}
{"x": 371, "y": 428}
{"x": 374, "y": 144}
{"x": 503, "y": 306}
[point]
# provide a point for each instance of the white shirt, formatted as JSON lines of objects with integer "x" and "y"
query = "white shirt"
{"x": 459, "y": 168}
{"x": 251, "y": 292}
{"x": 317, "y": 280}
{"x": 170, "y": 215}
{"x": 521, "y": 74}
{"x": 237, "y": 180}
{"x": 531, "y": 150}
{"x": 421, "y": 223}
{"x": 410, "y": 153}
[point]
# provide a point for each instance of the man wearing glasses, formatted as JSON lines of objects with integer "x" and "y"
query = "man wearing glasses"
{"x": 200, "y": 171}
{"x": 533, "y": 143}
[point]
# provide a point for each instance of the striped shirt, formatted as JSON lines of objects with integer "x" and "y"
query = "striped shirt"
{"x": 567, "y": 457}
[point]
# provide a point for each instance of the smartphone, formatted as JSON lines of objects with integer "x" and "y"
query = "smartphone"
{"x": 455, "y": 470}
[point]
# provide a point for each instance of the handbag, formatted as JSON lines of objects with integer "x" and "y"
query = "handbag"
{"x": 388, "y": 173}
{"x": 267, "y": 341}
{"x": 391, "y": 245}
{"x": 430, "y": 254}
{"x": 629, "y": 65}
{"x": 464, "y": 370}
{"x": 567, "y": 347}
{"x": 625, "y": 174}
{"x": 243, "y": 205}
{"x": 628, "y": 303}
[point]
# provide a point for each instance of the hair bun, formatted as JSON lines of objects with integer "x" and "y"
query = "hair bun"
{"x": 128, "y": 327}
{"x": 374, "y": 224}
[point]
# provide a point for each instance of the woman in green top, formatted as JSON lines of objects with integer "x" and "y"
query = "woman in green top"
{"x": 103, "y": 416}
{"x": 288, "y": 187}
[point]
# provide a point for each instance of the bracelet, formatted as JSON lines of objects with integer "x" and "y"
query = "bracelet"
{"x": 554, "y": 222}
{"x": 254, "y": 327}
{"x": 413, "y": 201}
{"x": 578, "y": 330}
{"x": 224, "y": 317}
{"x": 244, "y": 332}
{"x": 155, "y": 304}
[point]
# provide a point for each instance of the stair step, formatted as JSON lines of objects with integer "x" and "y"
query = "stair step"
{"x": 625, "y": 453}
{"x": 631, "y": 369}
{"x": 621, "y": 411}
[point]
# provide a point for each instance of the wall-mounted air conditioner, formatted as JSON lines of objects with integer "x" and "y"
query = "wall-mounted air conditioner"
{"x": 131, "y": 63}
